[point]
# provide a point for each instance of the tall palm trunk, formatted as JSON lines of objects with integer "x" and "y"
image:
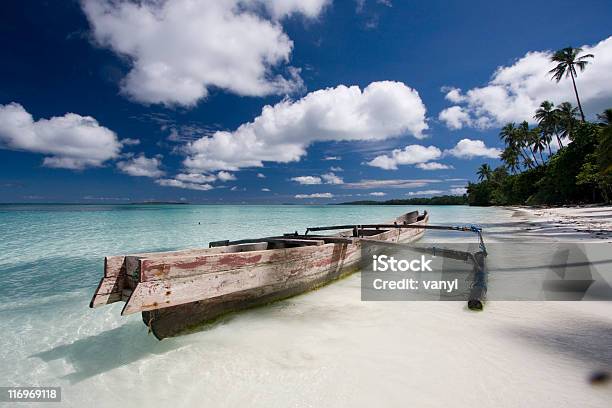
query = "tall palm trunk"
{"x": 559, "y": 140}
{"x": 541, "y": 157}
{"x": 525, "y": 158}
{"x": 577, "y": 98}
{"x": 534, "y": 157}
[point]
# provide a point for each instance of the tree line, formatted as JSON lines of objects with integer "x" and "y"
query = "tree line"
{"x": 563, "y": 159}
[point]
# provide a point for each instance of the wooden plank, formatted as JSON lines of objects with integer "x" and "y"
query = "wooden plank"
{"x": 174, "y": 320}
{"x": 295, "y": 241}
{"x": 180, "y": 266}
{"x": 326, "y": 239}
{"x": 108, "y": 291}
{"x": 153, "y": 295}
{"x": 113, "y": 265}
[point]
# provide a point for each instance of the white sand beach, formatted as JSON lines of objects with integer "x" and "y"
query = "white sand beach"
{"x": 591, "y": 223}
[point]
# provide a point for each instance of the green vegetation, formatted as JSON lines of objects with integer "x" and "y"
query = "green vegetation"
{"x": 440, "y": 200}
{"x": 578, "y": 172}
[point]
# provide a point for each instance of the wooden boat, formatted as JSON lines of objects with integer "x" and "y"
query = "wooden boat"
{"x": 179, "y": 290}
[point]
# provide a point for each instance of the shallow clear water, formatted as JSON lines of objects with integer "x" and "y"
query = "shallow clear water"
{"x": 322, "y": 348}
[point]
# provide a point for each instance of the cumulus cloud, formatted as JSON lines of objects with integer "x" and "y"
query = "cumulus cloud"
{"x": 266, "y": 190}
{"x": 331, "y": 178}
{"x": 196, "y": 178}
{"x": 315, "y": 195}
{"x": 411, "y": 154}
{"x": 515, "y": 92}
{"x": 179, "y": 49}
{"x": 141, "y": 166}
{"x": 261, "y": 175}
{"x": 225, "y": 176}
{"x": 424, "y": 192}
{"x": 307, "y": 180}
{"x": 336, "y": 168}
{"x": 71, "y": 141}
{"x": 183, "y": 184}
{"x": 458, "y": 190}
{"x": 327, "y": 178}
{"x": 378, "y": 194}
{"x": 197, "y": 181}
{"x": 433, "y": 166}
{"x": 468, "y": 148}
{"x": 332, "y": 158}
{"x": 455, "y": 117}
{"x": 281, "y": 133}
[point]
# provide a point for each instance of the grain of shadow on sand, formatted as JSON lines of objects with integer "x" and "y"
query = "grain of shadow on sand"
{"x": 108, "y": 350}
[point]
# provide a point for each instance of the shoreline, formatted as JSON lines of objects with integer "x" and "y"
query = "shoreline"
{"x": 582, "y": 223}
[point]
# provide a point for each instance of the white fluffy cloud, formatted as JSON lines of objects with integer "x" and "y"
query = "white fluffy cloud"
{"x": 261, "y": 175}
{"x": 225, "y": 176}
{"x": 71, "y": 141}
{"x": 411, "y": 154}
{"x": 327, "y": 178}
{"x": 315, "y": 195}
{"x": 266, "y": 190}
{"x": 433, "y": 166}
{"x": 182, "y": 184}
{"x": 197, "y": 181}
{"x": 454, "y": 117}
{"x": 515, "y": 92}
{"x": 308, "y": 180}
{"x": 378, "y": 194}
{"x": 179, "y": 49}
{"x": 468, "y": 148}
{"x": 196, "y": 178}
{"x": 331, "y": 178}
{"x": 458, "y": 190}
{"x": 283, "y": 132}
{"x": 141, "y": 166}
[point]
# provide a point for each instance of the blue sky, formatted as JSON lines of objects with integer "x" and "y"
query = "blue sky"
{"x": 116, "y": 102}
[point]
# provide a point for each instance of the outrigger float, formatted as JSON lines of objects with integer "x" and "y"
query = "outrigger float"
{"x": 179, "y": 290}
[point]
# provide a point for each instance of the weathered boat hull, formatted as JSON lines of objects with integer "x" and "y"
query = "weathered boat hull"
{"x": 178, "y": 291}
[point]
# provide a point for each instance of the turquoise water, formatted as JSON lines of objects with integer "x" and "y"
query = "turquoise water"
{"x": 325, "y": 348}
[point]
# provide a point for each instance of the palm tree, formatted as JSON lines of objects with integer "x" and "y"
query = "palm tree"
{"x": 548, "y": 120}
{"x": 484, "y": 172}
{"x": 604, "y": 153}
{"x": 535, "y": 143}
{"x": 525, "y": 139}
{"x": 546, "y": 138}
{"x": 605, "y": 117}
{"x": 567, "y": 60}
{"x": 510, "y": 157}
{"x": 511, "y": 137}
{"x": 566, "y": 119}
{"x": 539, "y": 141}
